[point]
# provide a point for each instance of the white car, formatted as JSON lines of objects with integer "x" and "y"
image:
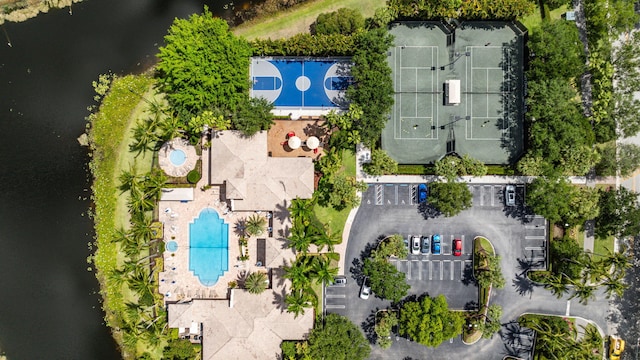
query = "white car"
{"x": 365, "y": 290}
{"x": 415, "y": 245}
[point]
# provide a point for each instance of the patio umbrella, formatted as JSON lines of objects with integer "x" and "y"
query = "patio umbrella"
{"x": 313, "y": 142}
{"x": 294, "y": 142}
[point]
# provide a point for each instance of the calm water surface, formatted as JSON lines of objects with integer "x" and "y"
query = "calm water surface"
{"x": 49, "y": 307}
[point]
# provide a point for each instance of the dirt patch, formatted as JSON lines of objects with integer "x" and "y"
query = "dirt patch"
{"x": 558, "y": 231}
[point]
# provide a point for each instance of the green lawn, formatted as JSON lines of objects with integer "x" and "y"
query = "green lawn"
{"x": 328, "y": 215}
{"x": 534, "y": 20}
{"x": 297, "y": 19}
{"x": 602, "y": 247}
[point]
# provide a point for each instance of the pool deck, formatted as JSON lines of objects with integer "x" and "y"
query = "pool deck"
{"x": 233, "y": 323}
{"x": 177, "y": 282}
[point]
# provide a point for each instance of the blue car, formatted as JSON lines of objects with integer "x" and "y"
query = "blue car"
{"x": 422, "y": 193}
{"x": 435, "y": 244}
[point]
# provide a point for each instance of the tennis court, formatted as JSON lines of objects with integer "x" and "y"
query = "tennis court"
{"x": 456, "y": 91}
{"x": 291, "y": 83}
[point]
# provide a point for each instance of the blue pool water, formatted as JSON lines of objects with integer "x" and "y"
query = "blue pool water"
{"x": 172, "y": 246}
{"x": 177, "y": 157}
{"x": 208, "y": 247}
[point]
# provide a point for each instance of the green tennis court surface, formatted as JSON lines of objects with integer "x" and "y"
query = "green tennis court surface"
{"x": 456, "y": 91}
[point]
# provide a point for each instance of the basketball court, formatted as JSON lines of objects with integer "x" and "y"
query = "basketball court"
{"x": 301, "y": 84}
{"x": 456, "y": 91}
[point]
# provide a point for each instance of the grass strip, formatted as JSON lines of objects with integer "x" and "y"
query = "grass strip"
{"x": 298, "y": 18}
{"x": 107, "y": 132}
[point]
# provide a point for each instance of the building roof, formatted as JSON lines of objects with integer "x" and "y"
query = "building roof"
{"x": 252, "y": 329}
{"x": 254, "y": 180}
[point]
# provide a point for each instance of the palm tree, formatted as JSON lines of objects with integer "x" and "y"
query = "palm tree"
{"x": 298, "y": 273}
{"x": 153, "y": 184}
{"x": 144, "y": 136}
{"x": 583, "y": 291}
{"x": 170, "y": 128}
{"x": 129, "y": 180}
{"x": 139, "y": 202}
{"x": 142, "y": 228}
{"x": 140, "y": 282}
{"x": 557, "y": 285}
{"x": 256, "y": 282}
{"x": 298, "y": 240}
{"x": 614, "y": 284}
{"x": 620, "y": 260}
{"x": 301, "y": 209}
{"x": 328, "y": 239}
{"x": 322, "y": 270}
{"x": 296, "y": 302}
{"x": 255, "y": 225}
{"x": 117, "y": 277}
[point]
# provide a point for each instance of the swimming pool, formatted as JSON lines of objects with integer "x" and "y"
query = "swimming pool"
{"x": 177, "y": 157}
{"x": 208, "y": 247}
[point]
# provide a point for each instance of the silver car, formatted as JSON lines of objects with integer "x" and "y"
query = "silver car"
{"x": 510, "y": 195}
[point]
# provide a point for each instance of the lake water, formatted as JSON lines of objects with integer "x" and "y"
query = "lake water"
{"x": 49, "y": 306}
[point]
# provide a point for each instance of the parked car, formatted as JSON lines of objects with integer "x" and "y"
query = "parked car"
{"x": 415, "y": 245}
{"x": 422, "y": 193}
{"x": 457, "y": 247}
{"x": 340, "y": 281}
{"x": 435, "y": 244}
{"x": 425, "y": 245}
{"x": 616, "y": 347}
{"x": 365, "y": 290}
{"x": 510, "y": 195}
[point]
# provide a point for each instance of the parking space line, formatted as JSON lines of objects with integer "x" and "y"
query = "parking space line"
{"x": 412, "y": 195}
{"x": 441, "y": 271}
{"x": 379, "y": 194}
{"x": 534, "y": 248}
{"x": 419, "y": 271}
{"x": 535, "y": 237}
{"x": 430, "y": 270}
{"x": 396, "y": 194}
{"x": 409, "y": 271}
{"x": 492, "y": 196}
{"x": 328, "y": 306}
{"x": 481, "y": 195}
{"x": 336, "y": 295}
{"x": 532, "y": 227}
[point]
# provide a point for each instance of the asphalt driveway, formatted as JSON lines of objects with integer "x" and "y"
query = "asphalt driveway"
{"x": 518, "y": 237}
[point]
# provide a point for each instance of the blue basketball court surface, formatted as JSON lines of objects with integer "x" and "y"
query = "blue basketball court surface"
{"x": 294, "y": 83}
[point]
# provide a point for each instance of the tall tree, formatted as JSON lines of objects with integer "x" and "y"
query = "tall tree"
{"x": 203, "y": 65}
{"x": 342, "y": 21}
{"x": 619, "y": 213}
{"x": 429, "y": 321}
{"x": 338, "y": 339}
{"x": 381, "y": 164}
{"x": 297, "y": 301}
{"x": 255, "y": 225}
{"x": 386, "y": 281}
{"x": 373, "y": 87}
{"x": 450, "y": 198}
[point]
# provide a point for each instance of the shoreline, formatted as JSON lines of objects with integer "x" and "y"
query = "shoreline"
{"x": 22, "y": 10}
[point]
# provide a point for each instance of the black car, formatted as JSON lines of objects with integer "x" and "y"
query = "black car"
{"x": 425, "y": 245}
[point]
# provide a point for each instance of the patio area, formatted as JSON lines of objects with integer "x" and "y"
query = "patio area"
{"x": 277, "y": 144}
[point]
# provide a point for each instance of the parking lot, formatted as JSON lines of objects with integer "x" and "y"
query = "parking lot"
{"x": 393, "y": 209}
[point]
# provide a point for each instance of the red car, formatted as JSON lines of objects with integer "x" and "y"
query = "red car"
{"x": 457, "y": 247}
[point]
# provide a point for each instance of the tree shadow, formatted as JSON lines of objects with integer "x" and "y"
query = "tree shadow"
{"x": 369, "y": 326}
{"x": 279, "y": 299}
{"x": 523, "y": 285}
{"x": 517, "y": 340}
{"x": 467, "y": 275}
{"x": 240, "y": 228}
{"x": 428, "y": 211}
{"x": 471, "y": 306}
